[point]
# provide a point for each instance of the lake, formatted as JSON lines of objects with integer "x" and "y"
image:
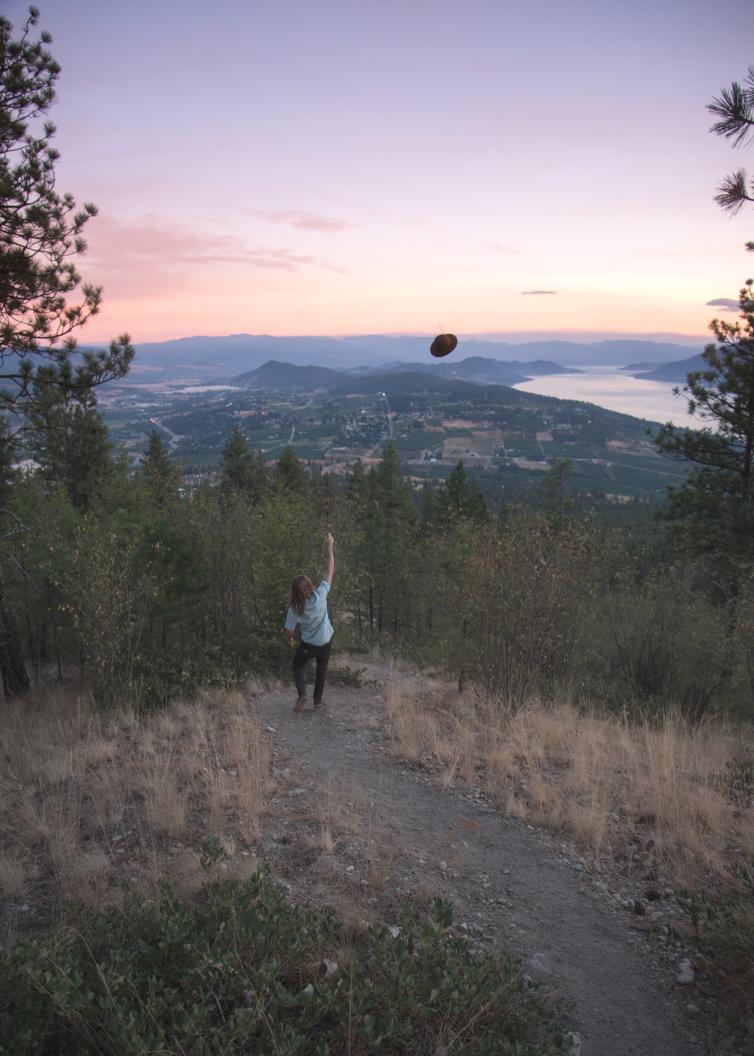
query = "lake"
{"x": 616, "y": 391}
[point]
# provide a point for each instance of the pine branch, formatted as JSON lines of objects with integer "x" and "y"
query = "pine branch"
{"x": 735, "y": 108}
{"x": 734, "y": 192}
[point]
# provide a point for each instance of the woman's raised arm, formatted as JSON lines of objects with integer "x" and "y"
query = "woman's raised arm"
{"x": 330, "y": 542}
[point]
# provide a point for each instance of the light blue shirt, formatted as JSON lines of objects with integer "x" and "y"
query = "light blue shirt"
{"x": 316, "y": 628}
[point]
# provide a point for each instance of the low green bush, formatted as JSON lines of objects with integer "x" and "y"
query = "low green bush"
{"x": 723, "y": 921}
{"x": 239, "y": 970}
{"x": 738, "y": 778}
{"x": 350, "y": 677}
{"x": 656, "y": 645}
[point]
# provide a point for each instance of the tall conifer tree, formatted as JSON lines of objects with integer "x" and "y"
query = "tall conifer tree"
{"x": 161, "y": 475}
{"x": 291, "y": 474}
{"x": 243, "y": 470}
{"x": 715, "y": 507}
{"x": 41, "y": 234}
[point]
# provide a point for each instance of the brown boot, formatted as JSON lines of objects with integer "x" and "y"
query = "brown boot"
{"x": 299, "y": 706}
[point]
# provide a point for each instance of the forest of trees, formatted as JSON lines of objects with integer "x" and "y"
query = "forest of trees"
{"x": 143, "y": 591}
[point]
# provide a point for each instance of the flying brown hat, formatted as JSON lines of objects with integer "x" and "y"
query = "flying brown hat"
{"x": 443, "y": 344}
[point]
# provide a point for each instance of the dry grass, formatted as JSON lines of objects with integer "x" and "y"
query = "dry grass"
{"x": 380, "y": 856}
{"x": 356, "y": 852}
{"x": 655, "y": 796}
{"x": 87, "y": 799}
{"x": 339, "y": 813}
{"x": 13, "y": 874}
{"x": 326, "y": 815}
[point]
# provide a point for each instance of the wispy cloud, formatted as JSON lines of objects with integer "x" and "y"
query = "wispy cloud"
{"x": 726, "y": 303}
{"x": 536, "y": 293}
{"x": 153, "y": 258}
{"x": 304, "y": 220}
{"x": 501, "y": 247}
{"x": 169, "y": 244}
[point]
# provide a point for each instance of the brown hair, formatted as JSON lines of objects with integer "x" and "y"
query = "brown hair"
{"x": 301, "y": 589}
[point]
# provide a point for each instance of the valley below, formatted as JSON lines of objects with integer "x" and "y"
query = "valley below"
{"x": 508, "y": 436}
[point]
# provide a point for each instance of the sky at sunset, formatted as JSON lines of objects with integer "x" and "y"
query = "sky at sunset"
{"x": 354, "y": 166}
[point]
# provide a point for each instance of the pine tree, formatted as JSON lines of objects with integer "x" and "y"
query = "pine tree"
{"x": 89, "y": 461}
{"x": 554, "y": 495}
{"x": 291, "y": 474}
{"x": 71, "y": 445}
{"x": 243, "y": 470}
{"x": 323, "y": 493}
{"x": 355, "y": 490}
{"x": 41, "y": 232}
{"x": 389, "y": 543}
{"x": 428, "y": 506}
{"x": 715, "y": 506}
{"x": 458, "y": 499}
{"x": 158, "y": 472}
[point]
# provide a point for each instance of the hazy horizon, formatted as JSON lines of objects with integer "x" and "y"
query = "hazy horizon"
{"x": 504, "y": 337}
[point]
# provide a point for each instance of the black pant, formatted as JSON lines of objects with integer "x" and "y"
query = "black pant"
{"x": 301, "y": 657}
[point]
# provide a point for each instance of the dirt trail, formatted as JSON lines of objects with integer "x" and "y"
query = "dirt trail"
{"x": 508, "y": 883}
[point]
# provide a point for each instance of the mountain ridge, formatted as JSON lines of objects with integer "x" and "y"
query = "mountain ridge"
{"x": 675, "y": 371}
{"x": 280, "y": 374}
{"x": 220, "y": 358}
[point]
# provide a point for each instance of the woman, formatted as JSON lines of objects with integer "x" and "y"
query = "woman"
{"x": 307, "y": 607}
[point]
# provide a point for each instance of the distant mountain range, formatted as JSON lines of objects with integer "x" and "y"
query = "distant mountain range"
{"x": 475, "y": 369}
{"x": 220, "y": 358}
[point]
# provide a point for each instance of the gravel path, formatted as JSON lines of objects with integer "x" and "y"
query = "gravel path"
{"x": 511, "y": 888}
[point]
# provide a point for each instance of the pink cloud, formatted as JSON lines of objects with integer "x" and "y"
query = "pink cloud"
{"x": 305, "y": 221}
{"x": 163, "y": 263}
{"x": 123, "y": 245}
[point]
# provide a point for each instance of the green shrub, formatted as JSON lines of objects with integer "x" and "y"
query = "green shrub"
{"x": 241, "y": 971}
{"x": 527, "y": 584}
{"x": 659, "y": 643}
{"x": 723, "y": 920}
{"x": 738, "y": 778}
{"x": 350, "y": 677}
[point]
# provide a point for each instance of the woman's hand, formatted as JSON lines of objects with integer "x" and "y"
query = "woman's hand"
{"x": 330, "y": 542}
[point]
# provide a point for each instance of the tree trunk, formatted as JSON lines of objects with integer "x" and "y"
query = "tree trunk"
{"x": 12, "y": 666}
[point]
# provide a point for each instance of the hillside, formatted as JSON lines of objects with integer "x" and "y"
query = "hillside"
{"x": 483, "y": 370}
{"x": 674, "y": 371}
{"x": 277, "y": 375}
{"x": 402, "y": 383}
